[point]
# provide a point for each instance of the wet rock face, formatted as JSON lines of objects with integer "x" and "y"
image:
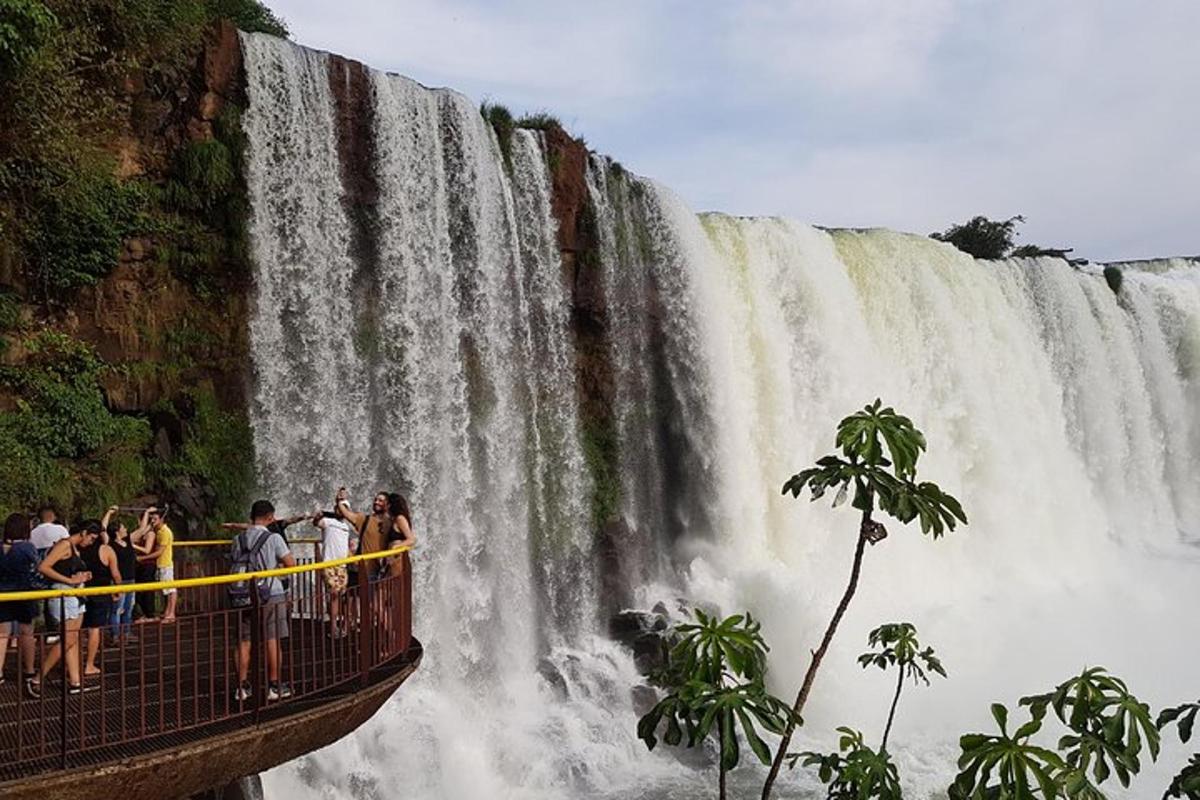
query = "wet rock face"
{"x": 647, "y": 634}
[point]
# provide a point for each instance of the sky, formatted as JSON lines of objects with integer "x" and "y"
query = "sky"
{"x": 1081, "y": 115}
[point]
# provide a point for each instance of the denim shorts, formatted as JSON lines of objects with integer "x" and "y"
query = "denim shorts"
{"x": 72, "y": 607}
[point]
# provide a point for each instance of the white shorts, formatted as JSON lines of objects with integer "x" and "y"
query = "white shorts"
{"x": 166, "y": 574}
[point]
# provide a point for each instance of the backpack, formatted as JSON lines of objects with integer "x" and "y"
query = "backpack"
{"x": 239, "y": 593}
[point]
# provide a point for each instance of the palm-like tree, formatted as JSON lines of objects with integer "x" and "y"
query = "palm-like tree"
{"x": 897, "y": 646}
{"x": 886, "y": 482}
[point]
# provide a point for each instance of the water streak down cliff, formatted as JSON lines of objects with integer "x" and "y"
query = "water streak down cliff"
{"x": 592, "y": 396}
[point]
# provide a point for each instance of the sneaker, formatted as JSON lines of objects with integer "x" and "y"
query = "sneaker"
{"x": 33, "y": 688}
{"x": 243, "y": 693}
{"x": 74, "y": 690}
{"x": 52, "y": 638}
{"x": 279, "y": 691}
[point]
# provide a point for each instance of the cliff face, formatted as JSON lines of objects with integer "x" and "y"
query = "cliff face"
{"x": 161, "y": 333}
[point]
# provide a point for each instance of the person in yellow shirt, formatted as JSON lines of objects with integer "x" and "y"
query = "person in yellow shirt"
{"x": 162, "y": 553}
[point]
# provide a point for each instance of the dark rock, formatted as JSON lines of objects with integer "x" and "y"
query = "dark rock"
{"x": 553, "y": 677}
{"x": 650, "y": 652}
{"x": 643, "y": 697}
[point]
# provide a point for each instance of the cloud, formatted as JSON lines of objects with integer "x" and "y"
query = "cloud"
{"x": 1080, "y": 114}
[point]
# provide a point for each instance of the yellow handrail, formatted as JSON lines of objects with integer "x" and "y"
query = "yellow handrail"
{"x": 188, "y": 583}
{"x": 227, "y": 542}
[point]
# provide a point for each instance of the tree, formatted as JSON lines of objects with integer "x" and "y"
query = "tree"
{"x": 1187, "y": 783}
{"x": 898, "y": 646}
{"x": 1109, "y": 728}
{"x": 856, "y": 771}
{"x": 879, "y": 481}
{"x": 982, "y": 237}
{"x": 715, "y": 684}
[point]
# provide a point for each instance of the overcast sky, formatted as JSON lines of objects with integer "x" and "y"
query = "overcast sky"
{"x": 1083, "y": 115}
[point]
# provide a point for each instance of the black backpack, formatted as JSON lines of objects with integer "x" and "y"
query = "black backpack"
{"x": 243, "y": 557}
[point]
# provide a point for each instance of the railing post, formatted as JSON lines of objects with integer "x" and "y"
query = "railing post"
{"x": 257, "y": 689}
{"x": 62, "y": 643}
{"x": 365, "y": 621}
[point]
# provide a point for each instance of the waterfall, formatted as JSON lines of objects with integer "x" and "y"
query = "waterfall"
{"x": 413, "y": 330}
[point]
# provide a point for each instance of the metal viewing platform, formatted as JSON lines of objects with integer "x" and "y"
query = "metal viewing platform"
{"x": 163, "y": 719}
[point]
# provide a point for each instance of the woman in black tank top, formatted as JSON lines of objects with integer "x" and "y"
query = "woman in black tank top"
{"x": 64, "y": 567}
{"x": 121, "y": 617}
{"x": 101, "y": 561}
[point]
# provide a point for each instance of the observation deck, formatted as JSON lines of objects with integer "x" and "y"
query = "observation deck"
{"x": 163, "y": 719}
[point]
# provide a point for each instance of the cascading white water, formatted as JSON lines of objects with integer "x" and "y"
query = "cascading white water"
{"x": 1065, "y": 416}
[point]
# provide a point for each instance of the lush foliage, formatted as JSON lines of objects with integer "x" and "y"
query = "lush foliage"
{"x": 61, "y": 443}
{"x": 1108, "y": 728}
{"x": 982, "y": 237}
{"x": 855, "y": 772}
{"x": 1114, "y": 278}
{"x": 715, "y": 687}
{"x": 1187, "y": 783}
{"x": 897, "y": 645}
{"x": 876, "y": 478}
{"x": 24, "y": 26}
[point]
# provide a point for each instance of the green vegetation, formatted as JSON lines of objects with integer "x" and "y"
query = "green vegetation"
{"x": 879, "y": 480}
{"x": 1187, "y": 783}
{"x": 77, "y": 79}
{"x": 982, "y": 237}
{"x": 216, "y": 452}
{"x": 504, "y": 123}
{"x": 541, "y": 121}
{"x": 715, "y": 683}
{"x": 856, "y": 770}
{"x": 60, "y": 443}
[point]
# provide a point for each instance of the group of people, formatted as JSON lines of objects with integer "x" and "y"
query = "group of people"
{"x": 90, "y": 553}
{"x": 263, "y": 545}
{"x": 104, "y": 553}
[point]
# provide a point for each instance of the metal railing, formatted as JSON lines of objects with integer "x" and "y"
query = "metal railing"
{"x": 180, "y": 677}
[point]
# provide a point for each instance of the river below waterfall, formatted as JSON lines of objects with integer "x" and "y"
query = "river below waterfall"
{"x": 420, "y": 337}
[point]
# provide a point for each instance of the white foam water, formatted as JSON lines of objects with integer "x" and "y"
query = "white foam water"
{"x": 1066, "y": 417}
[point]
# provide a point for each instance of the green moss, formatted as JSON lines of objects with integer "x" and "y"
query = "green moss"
{"x": 218, "y": 451}
{"x": 601, "y": 455}
{"x": 80, "y": 218}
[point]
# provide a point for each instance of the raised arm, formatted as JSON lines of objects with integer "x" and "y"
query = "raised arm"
{"x": 107, "y": 517}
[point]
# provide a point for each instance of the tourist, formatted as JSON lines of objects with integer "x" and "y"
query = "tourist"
{"x": 18, "y": 565}
{"x": 161, "y": 542}
{"x": 335, "y": 545}
{"x": 48, "y": 533}
{"x": 64, "y": 568}
{"x": 372, "y": 529}
{"x": 121, "y": 618}
{"x": 262, "y": 549}
{"x": 102, "y": 565}
{"x": 400, "y": 534}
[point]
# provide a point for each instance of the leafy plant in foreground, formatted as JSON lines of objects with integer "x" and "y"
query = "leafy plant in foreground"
{"x": 898, "y": 647}
{"x": 855, "y": 772}
{"x": 1108, "y": 729}
{"x": 1187, "y": 783}
{"x": 878, "y": 481}
{"x": 715, "y": 684}
{"x": 861, "y": 772}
